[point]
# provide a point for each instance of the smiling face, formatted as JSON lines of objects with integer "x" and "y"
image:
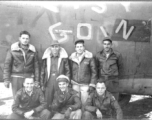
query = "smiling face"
{"x": 107, "y": 45}
{"x": 24, "y": 39}
{"x": 63, "y": 86}
{"x": 100, "y": 88}
{"x": 79, "y": 48}
{"x": 55, "y": 50}
{"x": 28, "y": 84}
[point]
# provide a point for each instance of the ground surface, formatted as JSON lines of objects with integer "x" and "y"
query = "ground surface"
{"x": 140, "y": 107}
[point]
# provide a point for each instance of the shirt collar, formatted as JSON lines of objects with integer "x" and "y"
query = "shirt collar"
{"x": 80, "y": 57}
{"x": 103, "y": 96}
{"x": 55, "y": 56}
{"x": 103, "y": 52}
{"x": 29, "y": 93}
{"x": 24, "y": 48}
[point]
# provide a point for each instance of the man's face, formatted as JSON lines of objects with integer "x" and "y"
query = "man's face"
{"x": 100, "y": 88}
{"x": 63, "y": 86}
{"x": 55, "y": 50}
{"x": 79, "y": 48}
{"x": 107, "y": 46}
{"x": 24, "y": 39}
{"x": 29, "y": 84}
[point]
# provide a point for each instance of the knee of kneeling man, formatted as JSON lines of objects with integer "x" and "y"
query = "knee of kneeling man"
{"x": 86, "y": 113}
{"x": 79, "y": 111}
{"x": 78, "y": 114}
{"x": 46, "y": 112}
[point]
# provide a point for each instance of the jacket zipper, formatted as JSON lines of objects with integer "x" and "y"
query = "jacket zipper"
{"x": 24, "y": 59}
{"x": 78, "y": 72}
{"x": 24, "y": 56}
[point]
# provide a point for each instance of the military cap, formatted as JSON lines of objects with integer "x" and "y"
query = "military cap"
{"x": 79, "y": 41}
{"x": 62, "y": 78}
{"x": 55, "y": 42}
{"x": 107, "y": 39}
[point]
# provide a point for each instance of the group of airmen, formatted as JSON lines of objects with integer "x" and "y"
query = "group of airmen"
{"x": 79, "y": 86}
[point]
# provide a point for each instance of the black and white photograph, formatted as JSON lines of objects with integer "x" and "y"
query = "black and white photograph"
{"x": 76, "y": 60}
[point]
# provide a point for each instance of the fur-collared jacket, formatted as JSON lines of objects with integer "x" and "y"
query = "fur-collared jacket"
{"x": 63, "y": 65}
{"x": 19, "y": 64}
{"x": 83, "y": 71}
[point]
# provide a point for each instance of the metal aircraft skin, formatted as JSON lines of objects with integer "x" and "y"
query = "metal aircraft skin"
{"x": 128, "y": 23}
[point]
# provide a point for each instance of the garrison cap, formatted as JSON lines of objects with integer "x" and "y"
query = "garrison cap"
{"x": 55, "y": 42}
{"x": 62, "y": 78}
{"x": 107, "y": 39}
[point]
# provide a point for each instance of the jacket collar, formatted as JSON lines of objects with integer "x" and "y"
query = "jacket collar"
{"x": 86, "y": 54}
{"x": 16, "y": 47}
{"x": 33, "y": 92}
{"x": 104, "y": 54}
{"x": 62, "y": 53}
{"x": 106, "y": 94}
{"x": 70, "y": 91}
{"x": 68, "y": 94}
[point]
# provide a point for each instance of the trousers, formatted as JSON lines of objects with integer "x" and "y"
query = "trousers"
{"x": 74, "y": 115}
{"x": 45, "y": 114}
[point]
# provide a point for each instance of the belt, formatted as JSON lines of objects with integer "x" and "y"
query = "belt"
{"x": 21, "y": 76}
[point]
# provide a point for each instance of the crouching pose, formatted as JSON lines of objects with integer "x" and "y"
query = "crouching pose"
{"x": 66, "y": 103}
{"x": 101, "y": 104}
{"x": 29, "y": 103}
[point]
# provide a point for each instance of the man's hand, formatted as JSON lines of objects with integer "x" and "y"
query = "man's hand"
{"x": 28, "y": 114}
{"x": 91, "y": 89}
{"x": 67, "y": 113}
{"x": 43, "y": 88}
{"x": 99, "y": 114}
{"x": 7, "y": 84}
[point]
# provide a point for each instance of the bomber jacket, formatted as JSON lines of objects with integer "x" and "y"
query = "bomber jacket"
{"x": 83, "y": 72}
{"x": 23, "y": 102}
{"x": 62, "y": 101}
{"x": 111, "y": 66}
{"x": 63, "y": 65}
{"x": 19, "y": 64}
{"x": 105, "y": 104}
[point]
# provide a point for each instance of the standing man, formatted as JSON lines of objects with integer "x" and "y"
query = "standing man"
{"x": 101, "y": 104}
{"x": 66, "y": 103}
{"x": 109, "y": 64}
{"x": 83, "y": 70}
{"x": 55, "y": 62}
{"x": 29, "y": 102}
{"x": 21, "y": 62}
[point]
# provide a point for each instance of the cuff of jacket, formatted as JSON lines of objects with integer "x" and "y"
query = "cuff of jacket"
{"x": 91, "y": 108}
{"x": 92, "y": 85}
{"x": 73, "y": 108}
{"x": 54, "y": 106}
{"x": 34, "y": 110}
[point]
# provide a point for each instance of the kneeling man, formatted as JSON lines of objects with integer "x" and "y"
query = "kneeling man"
{"x": 66, "y": 103}
{"x": 29, "y": 102}
{"x": 101, "y": 104}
